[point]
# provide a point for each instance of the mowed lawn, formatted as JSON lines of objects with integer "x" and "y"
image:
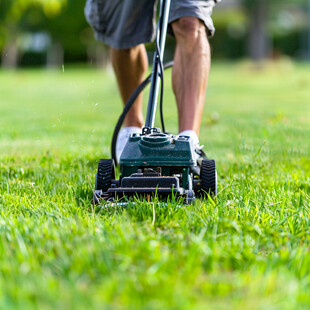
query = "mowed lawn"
{"x": 248, "y": 249}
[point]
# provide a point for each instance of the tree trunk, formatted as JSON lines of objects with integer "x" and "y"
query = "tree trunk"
{"x": 258, "y": 41}
{"x": 98, "y": 54}
{"x": 55, "y": 56}
{"x": 9, "y": 57}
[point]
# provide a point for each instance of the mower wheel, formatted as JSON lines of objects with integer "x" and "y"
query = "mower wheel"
{"x": 105, "y": 175}
{"x": 208, "y": 176}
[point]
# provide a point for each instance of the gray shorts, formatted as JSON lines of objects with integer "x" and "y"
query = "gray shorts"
{"x": 126, "y": 23}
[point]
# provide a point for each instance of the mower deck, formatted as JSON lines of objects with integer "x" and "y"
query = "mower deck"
{"x": 155, "y": 164}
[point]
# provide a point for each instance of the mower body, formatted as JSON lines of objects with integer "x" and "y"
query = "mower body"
{"x": 156, "y": 163}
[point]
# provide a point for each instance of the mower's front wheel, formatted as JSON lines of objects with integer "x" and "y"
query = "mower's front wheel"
{"x": 104, "y": 176}
{"x": 208, "y": 176}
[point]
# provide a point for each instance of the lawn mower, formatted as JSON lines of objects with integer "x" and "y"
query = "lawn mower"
{"x": 155, "y": 162}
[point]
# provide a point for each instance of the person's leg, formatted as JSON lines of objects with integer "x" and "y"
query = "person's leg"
{"x": 130, "y": 66}
{"x": 190, "y": 71}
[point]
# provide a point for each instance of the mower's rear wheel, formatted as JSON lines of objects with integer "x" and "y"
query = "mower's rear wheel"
{"x": 208, "y": 176}
{"x": 104, "y": 176}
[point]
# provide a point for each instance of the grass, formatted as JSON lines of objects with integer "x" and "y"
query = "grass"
{"x": 249, "y": 249}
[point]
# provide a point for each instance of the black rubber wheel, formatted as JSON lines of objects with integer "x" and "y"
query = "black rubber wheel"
{"x": 105, "y": 174}
{"x": 208, "y": 178}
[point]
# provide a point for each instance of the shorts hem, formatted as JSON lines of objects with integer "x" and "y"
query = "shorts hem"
{"x": 123, "y": 44}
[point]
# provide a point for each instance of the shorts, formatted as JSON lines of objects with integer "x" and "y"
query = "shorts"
{"x": 123, "y": 24}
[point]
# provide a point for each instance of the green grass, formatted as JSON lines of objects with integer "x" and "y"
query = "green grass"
{"x": 249, "y": 249}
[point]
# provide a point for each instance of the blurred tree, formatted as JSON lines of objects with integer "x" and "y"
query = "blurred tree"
{"x": 259, "y": 36}
{"x": 308, "y": 30}
{"x": 258, "y": 40}
{"x": 68, "y": 31}
{"x": 12, "y": 23}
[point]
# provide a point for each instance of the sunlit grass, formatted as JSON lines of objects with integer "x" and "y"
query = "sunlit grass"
{"x": 247, "y": 249}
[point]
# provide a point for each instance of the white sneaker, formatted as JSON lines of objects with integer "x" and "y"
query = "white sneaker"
{"x": 192, "y": 134}
{"x": 199, "y": 153}
{"x": 122, "y": 139}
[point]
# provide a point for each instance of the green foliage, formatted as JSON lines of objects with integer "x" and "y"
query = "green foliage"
{"x": 249, "y": 249}
{"x": 13, "y": 10}
{"x": 63, "y": 20}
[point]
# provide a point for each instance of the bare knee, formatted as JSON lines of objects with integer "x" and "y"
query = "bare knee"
{"x": 188, "y": 29}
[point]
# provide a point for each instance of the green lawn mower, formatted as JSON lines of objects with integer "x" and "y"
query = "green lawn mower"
{"x": 155, "y": 162}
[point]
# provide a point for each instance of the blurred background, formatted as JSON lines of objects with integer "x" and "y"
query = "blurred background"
{"x": 50, "y": 33}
